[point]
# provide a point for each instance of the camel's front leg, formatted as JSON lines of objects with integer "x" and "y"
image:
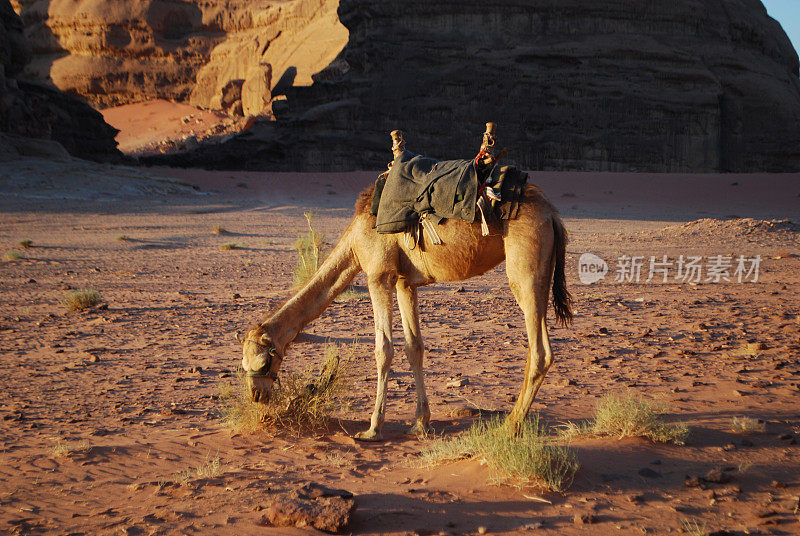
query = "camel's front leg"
{"x": 380, "y": 291}
{"x": 409, "y": 312}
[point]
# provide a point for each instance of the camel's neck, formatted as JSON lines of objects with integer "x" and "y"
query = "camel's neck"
{"x": 310, "y": 302}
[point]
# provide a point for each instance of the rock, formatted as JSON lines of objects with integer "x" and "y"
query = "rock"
{"x": 37, "y": 120}
{"x": 717, "y": 476}
{"x": 461, "y": 382}
{"x": 694, "y": 482}
{"x": 722, "y": 79}
{"x": 311, "y": 505}
{"x": 256, "y": 94}
{"x": 585, "y": 518}
{"x": 113, "y": 53}
{"x": 461, "y": 412}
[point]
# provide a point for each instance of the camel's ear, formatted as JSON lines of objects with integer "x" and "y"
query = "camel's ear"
{"x": 239, "y": 337}
{"x": 265, "y": 341}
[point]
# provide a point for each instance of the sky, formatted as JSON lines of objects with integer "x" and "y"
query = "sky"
{"x": 787, "y": 12}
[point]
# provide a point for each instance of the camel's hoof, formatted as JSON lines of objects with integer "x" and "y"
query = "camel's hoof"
{"x": 368, "y": 435}
{"x": 421, "y": 430}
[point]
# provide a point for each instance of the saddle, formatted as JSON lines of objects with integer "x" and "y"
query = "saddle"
{"x": 417, "y": 190}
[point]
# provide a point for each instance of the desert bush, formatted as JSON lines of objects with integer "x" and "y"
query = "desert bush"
{"x": 529, "y": 458}
{"x": 748, "y": 425}
{"x": 26, "y": 244}
{"x": 78, "y": 300}
{"x": 230, "y": 246}
{"x": 122, "y": 238}
{"x": 70, "y": 448}
{"x": 218, "y": 229}
{"x": 308, "y": 248}
{"x": 13, "y": 255}
{"x": 299, "y": 402}
{"x": 629, "y": 416}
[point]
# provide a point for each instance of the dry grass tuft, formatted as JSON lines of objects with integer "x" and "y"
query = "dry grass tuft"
{"x": 749, "y": 349}
{"x": 693, "y": 528}
{"x": 350, "y": 294}
{"x": 26, "y": 244}
{"x": 530, "y": 458}
{"x": 122, "y": 238}
{"x": 629, "y": 416}
{"x": 13, "y": 256}
{"x": 748, "y": 425}
{"x": 300, "y": 402}
{"x": 210, "y": 468}
{"x": 70, "y": 448}
{"x": 219, "y": 230}
{"x": 309, "y": 255}
{"x": 79, "y": 300}
{"x": 230, "y": 246}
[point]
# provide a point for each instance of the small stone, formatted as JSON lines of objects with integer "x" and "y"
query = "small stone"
{"x": 482, "y": 530}
{"x": 784, "y": 437}
{"x": 778, "y": 484}
{"x": 716, "y": 476}
{"x": 464, "y": 411}
{"x": 532, "y": 526}
{"x": 236, "y": 296}
{"x": 729, "y": 447}
{"x": 461, "y": 382}
{"x": 585, "y": 518}
{"x": 460, "y": 289}
{"x": 693, "y": 482}
{"x": 95, "y": 359}
{"x": 636, "y": 498}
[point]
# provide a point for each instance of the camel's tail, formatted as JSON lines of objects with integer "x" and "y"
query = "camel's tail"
{"x": 562, "y": 299}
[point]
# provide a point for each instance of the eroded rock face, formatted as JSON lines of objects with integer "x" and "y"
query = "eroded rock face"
{"x": 709, "y": 85}
{"x": 182, "y": 50}
{"x": 31, "y": 112}
{"x": 611, "y": 85}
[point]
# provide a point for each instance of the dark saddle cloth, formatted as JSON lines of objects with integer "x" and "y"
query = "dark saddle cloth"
{"x": 417, "y": 187}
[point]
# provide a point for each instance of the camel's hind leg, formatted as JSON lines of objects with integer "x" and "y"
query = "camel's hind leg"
{"x": 529, "y": 268}
{"x": 409, "y": 312}
{"x": 380, "y": 292}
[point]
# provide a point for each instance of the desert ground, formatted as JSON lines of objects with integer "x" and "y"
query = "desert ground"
{"x": 111, "y": 417}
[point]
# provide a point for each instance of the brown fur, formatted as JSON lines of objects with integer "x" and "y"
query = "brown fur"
{"x": 533, "y": 246}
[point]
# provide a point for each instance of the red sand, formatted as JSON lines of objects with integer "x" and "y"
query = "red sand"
{"x": 138, "y": 381}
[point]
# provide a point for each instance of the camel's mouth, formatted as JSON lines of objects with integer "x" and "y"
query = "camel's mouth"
{"x": 260, "y": 388}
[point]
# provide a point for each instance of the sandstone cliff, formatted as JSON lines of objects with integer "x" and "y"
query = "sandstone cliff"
{"x": 31, "y": 112}
{"x": 126, "y": 51}
{"x": 611, "y": 85}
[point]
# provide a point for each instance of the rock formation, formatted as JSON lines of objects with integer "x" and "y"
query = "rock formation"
{"x": 181, "y": 50}
{"x": 611, "y": 85}
{"x": 33, "y": 111}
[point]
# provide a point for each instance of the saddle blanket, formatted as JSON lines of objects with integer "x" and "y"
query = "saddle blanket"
{"x": 417, "y": 187}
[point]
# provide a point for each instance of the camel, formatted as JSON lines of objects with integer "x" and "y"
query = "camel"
{"x": 533, "y": 246}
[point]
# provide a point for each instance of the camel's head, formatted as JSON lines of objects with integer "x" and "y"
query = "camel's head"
{"x": 261, "y": 363}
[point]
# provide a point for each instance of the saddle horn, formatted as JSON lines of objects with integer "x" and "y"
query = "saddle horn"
{"x": 398, "y": 143}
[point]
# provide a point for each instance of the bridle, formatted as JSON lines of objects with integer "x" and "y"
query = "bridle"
{"x": 266, "y": 370}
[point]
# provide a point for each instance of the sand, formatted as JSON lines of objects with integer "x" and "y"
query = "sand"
{"x": 108, "y": 414}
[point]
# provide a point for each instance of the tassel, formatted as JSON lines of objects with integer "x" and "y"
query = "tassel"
{"x": 431, "y": 230}
{"x": 484, "y": 223}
